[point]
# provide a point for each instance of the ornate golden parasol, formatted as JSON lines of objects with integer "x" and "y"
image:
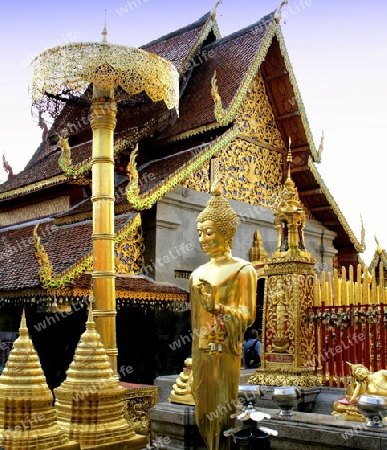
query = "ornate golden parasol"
{"x": 93, "y": 80}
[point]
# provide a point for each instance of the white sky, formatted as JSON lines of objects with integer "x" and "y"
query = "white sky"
{"x": 338, "y": 50}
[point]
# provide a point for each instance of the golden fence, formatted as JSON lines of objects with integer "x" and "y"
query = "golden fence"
{"x": 350, "y": 322}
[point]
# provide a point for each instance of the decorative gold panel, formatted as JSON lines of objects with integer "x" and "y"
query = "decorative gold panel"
{"x": 288, "y": 336}
{"x": 137, "y": 401}
{"x": 128, "y": 253}
{"x": 250, "y": 170}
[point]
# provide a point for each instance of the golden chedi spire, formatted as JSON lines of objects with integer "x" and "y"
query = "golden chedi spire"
{"x": 290, "y": 219}
{"x": 257, "y": 251}
{"x": 89, "y": 402}
{"x": 27, "y": 417}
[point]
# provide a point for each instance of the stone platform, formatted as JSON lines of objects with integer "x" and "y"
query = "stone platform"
{"x": 317, "y": 399}
{"x": 173, "y": 428}
{"x": 312, "y": 427}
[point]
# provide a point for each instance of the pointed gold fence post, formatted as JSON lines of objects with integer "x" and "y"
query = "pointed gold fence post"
{"x": 351, "y": 291}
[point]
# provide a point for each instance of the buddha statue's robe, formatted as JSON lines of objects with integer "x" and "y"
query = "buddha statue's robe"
{"x": 216, "y": 377}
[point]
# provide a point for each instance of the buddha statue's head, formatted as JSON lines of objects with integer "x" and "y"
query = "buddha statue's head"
{"x": 217, "y": 224}
{"x": 359, "y": 371}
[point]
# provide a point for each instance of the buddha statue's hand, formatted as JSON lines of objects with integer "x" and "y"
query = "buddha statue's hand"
{"x": 206, "y": 294}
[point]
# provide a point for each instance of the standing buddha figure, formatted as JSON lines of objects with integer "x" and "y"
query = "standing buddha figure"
{"x": 223, "y": 296}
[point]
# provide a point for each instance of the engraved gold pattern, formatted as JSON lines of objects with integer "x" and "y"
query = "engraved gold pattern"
{"x": 250, "y": 173}
{"x": 106, "y": 66}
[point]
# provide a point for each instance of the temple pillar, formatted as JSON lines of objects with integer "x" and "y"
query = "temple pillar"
{"x": 103, "y": 120}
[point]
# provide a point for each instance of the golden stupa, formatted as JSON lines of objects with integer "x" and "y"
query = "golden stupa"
{"x": 89, "y": 402}
{"x": 27, "y": 416}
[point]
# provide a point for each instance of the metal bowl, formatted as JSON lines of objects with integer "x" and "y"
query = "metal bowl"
{"x": 374, "y": 408}
{"x": 286, "y": 398}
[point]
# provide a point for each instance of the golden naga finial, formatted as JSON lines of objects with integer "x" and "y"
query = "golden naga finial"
{"x": 379, "y": 248}
{"x": 65, "y": 161}
{"x": 131, "y": 170}
{"x": 214, "y": 11}
{"x": 363, "y": 232}
{"x": 277, "y": 14}
{"x": 219, "y": 111}
{"x": 7, "y": 167}
{"x": 321, "y": 146}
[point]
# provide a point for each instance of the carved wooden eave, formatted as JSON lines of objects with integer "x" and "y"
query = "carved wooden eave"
{"x": 136, "y": 290}
{"x": 59, "y": 179}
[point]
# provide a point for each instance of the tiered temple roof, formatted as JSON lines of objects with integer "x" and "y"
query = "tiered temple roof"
{"x": 198, "y": 52}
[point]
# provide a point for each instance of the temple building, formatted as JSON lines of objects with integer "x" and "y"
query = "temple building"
{"x": 240, "y": 107}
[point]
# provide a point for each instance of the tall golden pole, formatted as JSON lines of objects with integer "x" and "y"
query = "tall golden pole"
{"x": 106, "y": 66}
{"x": 103, "y": 121}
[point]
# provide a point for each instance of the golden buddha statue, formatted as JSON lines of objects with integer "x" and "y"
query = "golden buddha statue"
{"x": 223, "y": 294}
{"x": 365, "y": 383}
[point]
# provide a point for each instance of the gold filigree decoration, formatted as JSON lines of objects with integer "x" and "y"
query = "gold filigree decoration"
{"x": 66, "y": 220}
{"x": 253, "y": 174}
{"x": 307, "y": 342}
{"x": 107, "y": 66}
{"x": 256, "y": 117}
{"x": 201, "y": 159}
{"x": 137, "y": 403}
{"x": 151, "y": 296}
{"x": 285, "y": 379}
{"x": 51, "y": 280}
{"x": 66, "y": 296}
{"x": 129, "y": 250}
{"x": 250, "y": 172}
{"x": 289, "y": 343}
{"x": 280, "y": 315}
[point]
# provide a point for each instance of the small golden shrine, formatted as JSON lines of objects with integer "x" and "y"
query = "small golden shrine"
{"x": 288, "y": 338}
{"x": 89, "y": 401}
{"x": 27, "y": 417}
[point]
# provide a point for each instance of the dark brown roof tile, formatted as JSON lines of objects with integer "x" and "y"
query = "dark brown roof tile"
{"x": 231, "y": 57}
{"x": 177, "y": 46}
